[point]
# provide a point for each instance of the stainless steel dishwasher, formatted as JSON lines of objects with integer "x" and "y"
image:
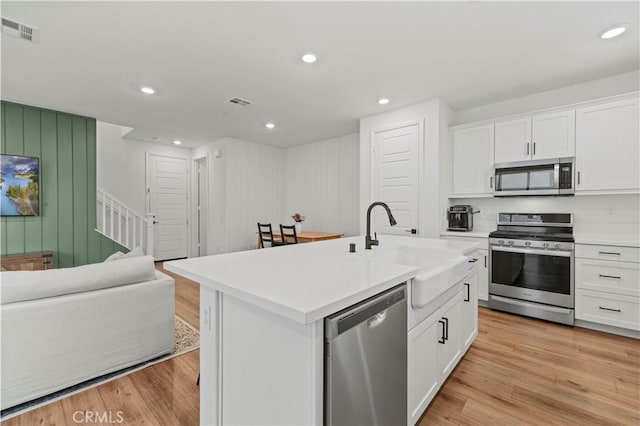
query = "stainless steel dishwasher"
{"x": 366, "y": 362}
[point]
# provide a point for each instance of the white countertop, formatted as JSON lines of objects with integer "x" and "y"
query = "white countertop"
{"x": 471, "y": 234}
{"x": 624, "y": 240}
{"x": 307, "y": 282}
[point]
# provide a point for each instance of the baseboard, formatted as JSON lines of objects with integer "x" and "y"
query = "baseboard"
{"x": 608, "y": 329}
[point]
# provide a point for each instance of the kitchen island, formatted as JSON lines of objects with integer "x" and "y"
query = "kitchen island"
{"x": 261, "y": 320}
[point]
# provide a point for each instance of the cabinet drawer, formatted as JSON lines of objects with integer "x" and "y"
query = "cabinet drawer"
{"x": 622, "y": 254}
{"x": 608, "y": 276}
{"x": 607, "y": 308}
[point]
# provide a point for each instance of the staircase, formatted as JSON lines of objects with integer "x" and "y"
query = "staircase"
{"x": 122, "y": 224}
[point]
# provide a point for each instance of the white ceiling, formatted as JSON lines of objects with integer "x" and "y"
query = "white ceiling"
{"x": 92, "y": 58}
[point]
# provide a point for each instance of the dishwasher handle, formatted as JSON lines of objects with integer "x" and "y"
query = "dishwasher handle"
{"x": 377, "y": 319}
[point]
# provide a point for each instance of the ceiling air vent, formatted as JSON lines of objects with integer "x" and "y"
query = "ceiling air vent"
{"x": 240, "y": 102}
{"x": 18, "y": 30}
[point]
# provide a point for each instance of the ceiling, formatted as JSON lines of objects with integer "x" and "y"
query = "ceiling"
{"x": 93, "y": 57}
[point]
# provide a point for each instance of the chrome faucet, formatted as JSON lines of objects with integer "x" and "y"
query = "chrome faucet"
{"x": 368, "y": 241}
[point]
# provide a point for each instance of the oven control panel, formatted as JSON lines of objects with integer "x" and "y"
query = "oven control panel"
{"x": 531, "y": 244}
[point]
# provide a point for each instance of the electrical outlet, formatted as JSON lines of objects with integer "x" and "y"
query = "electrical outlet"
{"x": 610, "y": 210}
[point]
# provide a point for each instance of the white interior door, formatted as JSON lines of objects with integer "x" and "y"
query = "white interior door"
{"x": 201, "y": 202}
{"x": 396, "y": 178}
{"x": 168, "y": 197}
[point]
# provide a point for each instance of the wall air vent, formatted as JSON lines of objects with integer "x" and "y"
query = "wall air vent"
{"x": 18, "y": 30}
{"x": 240, "y": 102}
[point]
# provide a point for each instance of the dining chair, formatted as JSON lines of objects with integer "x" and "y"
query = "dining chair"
{"x": 288, "y": 234}
{"x": 265, "y": 233}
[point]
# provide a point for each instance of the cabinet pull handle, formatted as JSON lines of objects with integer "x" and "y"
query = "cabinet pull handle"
{"x": 578, "y": 177}
{"x": 441, "y": 339}
{"x": 527, "y": 149}
{"x": 534, "y": 148}
{"x": 609, "y": 309}
{"x": 468, "y": 296}
{"x": 610, "y": 276}
{"x": 491, "y": 182}
{"x": 610, "y": 253}
{"x": 446, "y": 328}
{"x": 485, "y": 261}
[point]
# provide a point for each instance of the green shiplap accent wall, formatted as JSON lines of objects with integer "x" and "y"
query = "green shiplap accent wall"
{"x": 66, "y": 146}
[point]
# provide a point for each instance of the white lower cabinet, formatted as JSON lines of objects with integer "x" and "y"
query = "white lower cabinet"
{"x": 433, "y": 352}
{"x": 437, "y": 344}
{"x": 469, "y": 308}
{"x": 483, "y": 274}
{"x": 450, "y": 338}
{"x": 608, "y": 291}
{"x": 608, "y": 308}
{"x": 422, "y": 368}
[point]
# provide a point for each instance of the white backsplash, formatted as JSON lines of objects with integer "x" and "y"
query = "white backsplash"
{"x": 591, "y": 213}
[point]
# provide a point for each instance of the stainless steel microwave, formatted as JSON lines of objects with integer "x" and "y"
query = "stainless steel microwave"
{"x": 539, "y": 177}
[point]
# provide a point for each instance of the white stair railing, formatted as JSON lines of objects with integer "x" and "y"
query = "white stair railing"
{"x": 122, "y": 224}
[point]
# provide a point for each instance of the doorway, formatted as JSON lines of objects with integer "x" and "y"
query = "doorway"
{"x": 168, "y": 201}
{"x": 396, "y": 172}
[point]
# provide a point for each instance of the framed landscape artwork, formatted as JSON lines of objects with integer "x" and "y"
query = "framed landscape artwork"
{"x": 19, "y": 185}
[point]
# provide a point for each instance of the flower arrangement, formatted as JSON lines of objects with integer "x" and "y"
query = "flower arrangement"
{"x": 298, "y": 217}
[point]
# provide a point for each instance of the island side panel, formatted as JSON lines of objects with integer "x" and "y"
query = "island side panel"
{"x": 272, "y": 367}
{"x": 210, "y": 324}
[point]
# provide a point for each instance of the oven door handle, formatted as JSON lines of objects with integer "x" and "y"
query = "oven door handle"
{"x": 532, "y": 251}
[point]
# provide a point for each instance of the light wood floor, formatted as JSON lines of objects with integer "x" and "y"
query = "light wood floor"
{"x": 524, "y": 371}
{"x": 518, "y": 371}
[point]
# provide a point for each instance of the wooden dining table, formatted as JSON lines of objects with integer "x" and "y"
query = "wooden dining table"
{"x": 306, "y": 236}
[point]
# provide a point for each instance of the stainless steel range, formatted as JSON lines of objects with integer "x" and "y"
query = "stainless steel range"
{"x": 531, "y": 265}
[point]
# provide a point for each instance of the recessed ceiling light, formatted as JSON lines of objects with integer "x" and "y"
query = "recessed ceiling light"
{"x": 269, "y": 125}
{"x": 613, "y": 32}
{"x": 309, "y": 58}
{"x": 177, "y": 142}
{"x": 383, "y": 101}
{"x": 147, "y": 90}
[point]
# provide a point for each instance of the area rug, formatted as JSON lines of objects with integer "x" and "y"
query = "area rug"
{"x": 186, "y": 339}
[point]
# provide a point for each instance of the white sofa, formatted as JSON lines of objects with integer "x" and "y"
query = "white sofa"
{"x": 61, "y": 327}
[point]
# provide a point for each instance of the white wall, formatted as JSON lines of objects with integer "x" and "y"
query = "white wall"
{"x": 322, "y": 183}
{"x": 120, "y": 164}
{"x": 434, "y": 115}
{"x": 245, "y": 186}
{"x": 610, "y": 86}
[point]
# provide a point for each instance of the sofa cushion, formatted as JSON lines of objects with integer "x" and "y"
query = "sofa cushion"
{"x": 17, "y": 286}
{"x": 120, "y": 255}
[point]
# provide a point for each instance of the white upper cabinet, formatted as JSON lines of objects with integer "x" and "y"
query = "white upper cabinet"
{"x": 535, "y": 138}
{"x": 553, "y": 135}
{"x": 513, "y": 141}
{"x": 608, "y": 147}
{"x": 472, "y": 157}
